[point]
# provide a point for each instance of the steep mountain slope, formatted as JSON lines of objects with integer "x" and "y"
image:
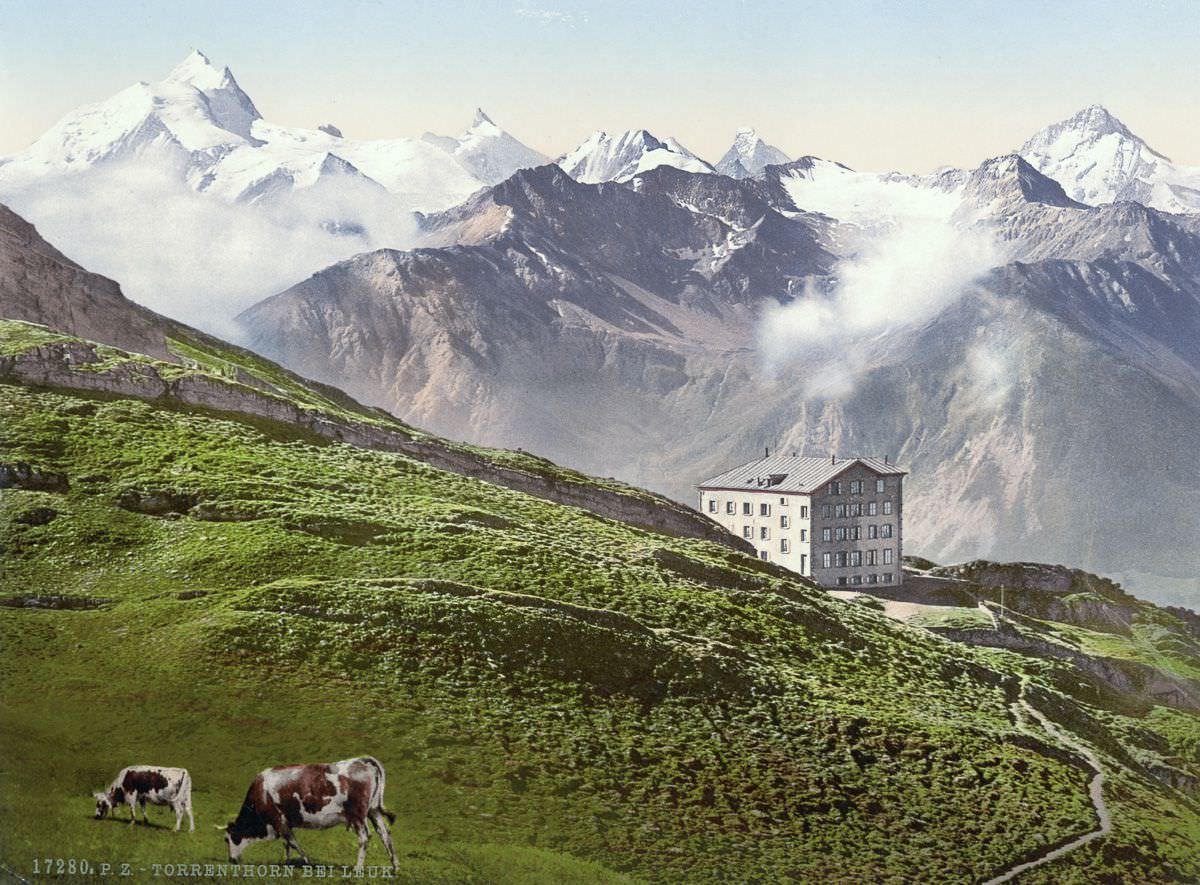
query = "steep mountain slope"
{"x": 605, "y": 157}
{"x": 530, "y": 674}
{"x": 180, "y": 365}
{"x": 749, "y": 155}
{"x": 622, "y": 329}
{"x": 1098, "y": 160}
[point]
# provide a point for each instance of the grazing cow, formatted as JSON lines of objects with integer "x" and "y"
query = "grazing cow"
{"x": 313, "y": 797}
{"x": 139, "y": 784}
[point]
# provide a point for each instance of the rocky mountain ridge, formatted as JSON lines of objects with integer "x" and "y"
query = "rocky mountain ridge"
{"x": 619, "y": 328}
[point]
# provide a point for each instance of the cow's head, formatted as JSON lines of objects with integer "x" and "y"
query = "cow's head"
{"x": 103, "y": 804}
{"x": 235, "y": 841}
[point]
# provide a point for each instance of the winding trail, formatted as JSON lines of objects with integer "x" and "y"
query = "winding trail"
{"x": 1095, "y": 790}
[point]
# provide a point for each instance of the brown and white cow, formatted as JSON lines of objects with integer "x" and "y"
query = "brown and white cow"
{"x": 313, "y": 797}
{"x": 153, "y": 784}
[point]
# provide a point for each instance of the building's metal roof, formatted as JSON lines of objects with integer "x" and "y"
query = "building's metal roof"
{"x": 784, "y": 473}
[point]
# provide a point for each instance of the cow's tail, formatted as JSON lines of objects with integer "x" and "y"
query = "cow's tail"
{"x": 377, "y": 795}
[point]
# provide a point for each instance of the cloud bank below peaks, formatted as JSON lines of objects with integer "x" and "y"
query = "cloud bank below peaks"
{"x": 905, "y": 269}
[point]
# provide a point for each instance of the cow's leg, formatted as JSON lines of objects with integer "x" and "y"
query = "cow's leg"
{"x": 177, "y": 807}
{"x": 364, "y": 836}
{"x": 290, "y": 842}
{"x": 132, "y": 809}
{"x": 142, "y": 802}
{"x": 385, "y": 834}
{"x": 191, "y": 820}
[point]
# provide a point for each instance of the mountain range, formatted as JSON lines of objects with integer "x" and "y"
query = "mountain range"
{"x": 1021, "y": 335}
{"x": 568, "y": 679}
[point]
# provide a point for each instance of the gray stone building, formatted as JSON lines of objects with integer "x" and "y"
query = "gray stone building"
{"x": 839, "y": 521}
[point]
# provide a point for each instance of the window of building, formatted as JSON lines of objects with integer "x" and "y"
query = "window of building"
{"x": 841, "y": 582}
{"x": 784, "y": 546}
{"x": 839, "y": 559}
{"x": 762, "y": 554}
{"x": 712, "y": 505}
{"x": 827, "y": 534}
{"x": 803, "y": 534}
{"x": 783, "y": 521}
{"x": 887, "y": 577}
{"x": 856, "y": 579}
{"x": 747, "y": 532}
{"x": 764, "y": 533}
{"x": 730, "y": 507}
{"x": 856, "y": 486}
{"x": 887, "y": 508}
{"x": 872, "y": 532}
{"x": 855, "y": 558}
{"x": 764, "y": 509}
{"x": 879, "y": 486}
{"x": 840, "y": 511}
{"x": 834, "y": 488}
{"x": 872, "y": 578}
{"x": 783, "y": 502}
{"x": 872, "y": 508}
{"x": 854, "y": 532}
{"x": 826, "y": 511}
{"x": 803, "y": 563}
{"x": 872, "y": 555}
{"x": 888, "y": 552}
{"x": 856, "y": 509}
{"x": 840, "y": 533}
{"x": 804, "y": 511}
{"x": 747, "y": 508}
{"x": 826, "y": 559}
{"x": 885, "y": 530}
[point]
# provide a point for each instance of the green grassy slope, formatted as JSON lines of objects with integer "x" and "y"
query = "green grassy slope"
{"x": 556, "y": 696}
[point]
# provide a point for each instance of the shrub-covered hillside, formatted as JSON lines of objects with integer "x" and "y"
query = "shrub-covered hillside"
{"x": 556, "y": 696}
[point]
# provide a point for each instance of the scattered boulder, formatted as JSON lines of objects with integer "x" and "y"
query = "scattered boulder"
{"x": 20, "y": 475}
{"x": 156, "y": 502}
{"x": 36, "y": 516}
{"x": 59, "y": 603}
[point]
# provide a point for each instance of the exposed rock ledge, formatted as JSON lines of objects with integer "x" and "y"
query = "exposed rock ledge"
{"x": 75, "y": 365}
{"x": 1124, "y": 676}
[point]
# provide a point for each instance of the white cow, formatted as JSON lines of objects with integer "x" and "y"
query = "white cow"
{"x": 139, "y": 784}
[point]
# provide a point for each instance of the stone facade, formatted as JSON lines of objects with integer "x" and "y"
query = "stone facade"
{"x": 843, "y": 529}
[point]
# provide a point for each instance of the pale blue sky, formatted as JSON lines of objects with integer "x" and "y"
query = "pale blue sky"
{"x": 875, "y": 84}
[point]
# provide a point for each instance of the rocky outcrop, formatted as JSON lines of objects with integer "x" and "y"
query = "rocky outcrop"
{"x": 77, "y": 365}
{"x": 1129, "y": 677}
{"x": 33, "y": 479}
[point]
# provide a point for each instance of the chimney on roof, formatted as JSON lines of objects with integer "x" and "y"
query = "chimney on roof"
{"x": 885, "y": 457}
{"x": 833, "y": 459}
{"x": 767, "y": 452}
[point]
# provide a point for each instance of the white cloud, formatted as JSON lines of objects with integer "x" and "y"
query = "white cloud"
{"x": 550, "y": 16}
{"x": 194, "y": 256}
{"x": 904, "y": 273}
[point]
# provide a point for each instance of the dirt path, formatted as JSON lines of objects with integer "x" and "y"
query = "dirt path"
{"x": 991, "y": 614}
{"x": 1095, "y": 790}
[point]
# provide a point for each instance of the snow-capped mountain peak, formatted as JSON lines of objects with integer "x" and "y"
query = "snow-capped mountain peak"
{"x": 1097, "y": 159}
{"x": 487, "y": 151}
{"x": 604, "y": 157}
{"x": 749, "y": 155}
{"x": 197, "y": 70}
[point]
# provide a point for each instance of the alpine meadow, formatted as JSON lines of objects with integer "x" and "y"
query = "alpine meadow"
{"x": 433, "y": 455}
